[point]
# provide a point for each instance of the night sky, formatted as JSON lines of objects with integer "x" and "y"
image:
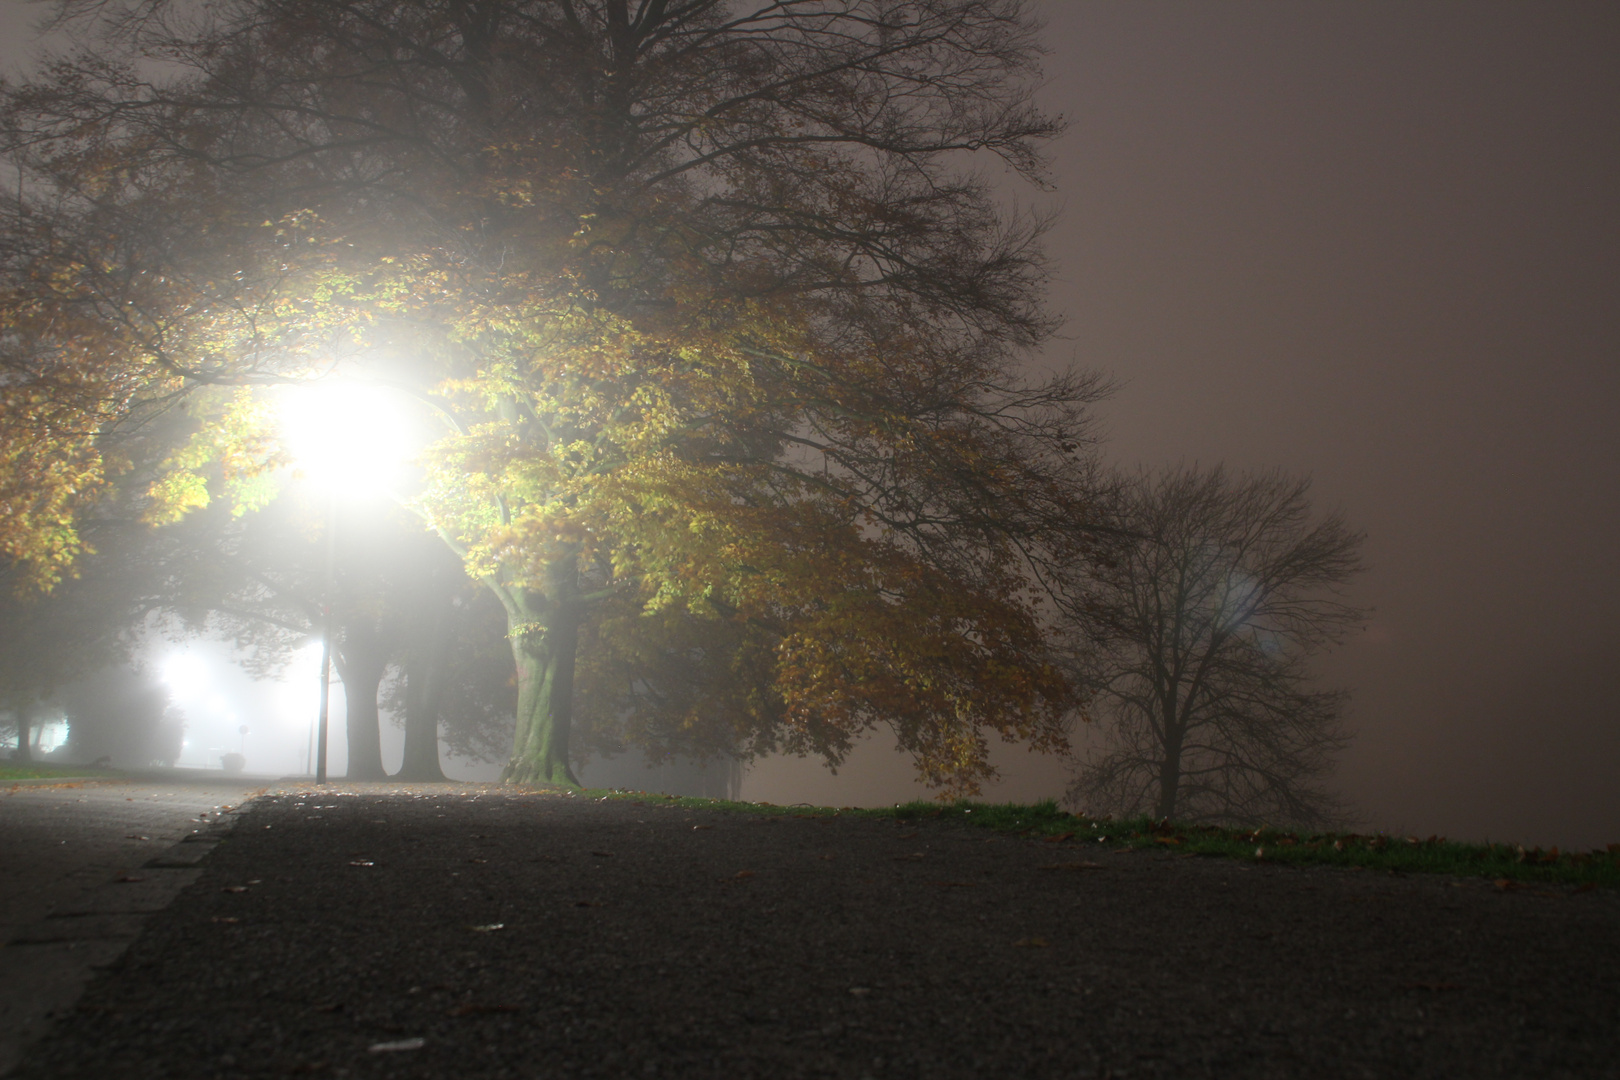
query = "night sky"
{"x": 1377, "y": 243}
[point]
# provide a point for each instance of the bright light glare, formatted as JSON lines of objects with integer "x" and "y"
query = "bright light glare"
{"x": 345, "y": 436}
{"x": 186, "y": 674}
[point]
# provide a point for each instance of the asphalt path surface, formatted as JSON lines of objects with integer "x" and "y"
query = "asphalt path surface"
{"x": 62, "y": 844}
{"x": 59, "y": 839}
{"x": 481, "y": 932}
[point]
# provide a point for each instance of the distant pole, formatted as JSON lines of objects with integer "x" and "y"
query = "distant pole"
{"x": 326, "y": 642}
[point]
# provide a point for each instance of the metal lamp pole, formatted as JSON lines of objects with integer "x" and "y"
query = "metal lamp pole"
{"x": 326, "y": 641}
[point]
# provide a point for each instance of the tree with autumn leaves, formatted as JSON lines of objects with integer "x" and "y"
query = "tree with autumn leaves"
{"x": 726, "y": 340}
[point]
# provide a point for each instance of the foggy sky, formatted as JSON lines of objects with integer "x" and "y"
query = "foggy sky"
{"x": 1378, "y": 244}
{"x": 1375, "y": 243}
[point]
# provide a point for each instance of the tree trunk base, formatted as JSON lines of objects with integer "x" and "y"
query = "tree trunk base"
{"x": 537, "y": 772}
{"x": 420, "y": 776}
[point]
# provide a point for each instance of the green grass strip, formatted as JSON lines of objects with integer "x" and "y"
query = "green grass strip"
{"x": 1508, "y": 865}
{"x": 39, "y": 770}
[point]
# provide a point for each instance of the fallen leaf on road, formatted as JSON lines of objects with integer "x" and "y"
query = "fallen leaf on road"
{"x": 908, "y": 835}
{"x": 1059, "y": 838}
{"x": 132, "y": 836}
{"x": 361, "y": 862}
{"x": 859, "y": 991}
{"x": 225, "y": 918}
{"x": 593, "y": 903}
{"x": 397, "y": 1045}
{"x": 1167, "y": 840}
{"x": 744, "y": 874}
{"x": 1588, "y": 887}
{"x": 1030, "y": 943}
{"x": 695, "y": 828}
{"x": 487, "y": 928}
{"x": 478, "y": 860}
{"x": 1506, "y": 884}
{"x": 234, "y": 888}
{"x": 603, "y": 854}
{"x": 129, "y": 879}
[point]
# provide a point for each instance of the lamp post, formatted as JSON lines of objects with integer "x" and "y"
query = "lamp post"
{"x": 323, "y": 724}
{"x": 349, "y": 437}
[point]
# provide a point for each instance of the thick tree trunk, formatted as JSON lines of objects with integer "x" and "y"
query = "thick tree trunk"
{"x": 421, "y": 761}
{"x": 361, "y": 664}
{"x": 428, "y": 646}
{"x": 424, "y": 695}
{"x": 25, "y": 718}
{"x": 1170, "y": 770}
{"x": 544, "y": 631}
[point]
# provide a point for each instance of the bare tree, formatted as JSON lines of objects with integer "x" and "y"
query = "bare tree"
{"x": 1192, "y": 631}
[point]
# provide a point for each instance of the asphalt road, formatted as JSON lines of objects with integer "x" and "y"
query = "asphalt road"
{"x": 487, "y": 933}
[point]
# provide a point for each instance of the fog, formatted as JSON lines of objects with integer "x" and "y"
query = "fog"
{"x": 217, "y": 697}
{"x": 1375, "y": 243}
{"x": 1378, "y": 244}
{"x": 218, "y": 700}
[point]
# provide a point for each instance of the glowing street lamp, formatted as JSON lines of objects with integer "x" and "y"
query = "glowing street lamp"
{"x": 350, "y": 439}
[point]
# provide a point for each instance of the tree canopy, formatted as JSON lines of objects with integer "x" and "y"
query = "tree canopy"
{"x": 727, "y": 338}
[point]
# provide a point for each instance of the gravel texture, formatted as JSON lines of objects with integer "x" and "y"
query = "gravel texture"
{"x": 486, "y": 933}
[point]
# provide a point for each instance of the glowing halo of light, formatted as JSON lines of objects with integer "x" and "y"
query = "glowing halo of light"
{"x": 347, "y": 437}
{"x": 185, "y": 674}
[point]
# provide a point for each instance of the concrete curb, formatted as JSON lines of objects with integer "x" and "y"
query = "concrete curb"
{"x": 44, "y": 968}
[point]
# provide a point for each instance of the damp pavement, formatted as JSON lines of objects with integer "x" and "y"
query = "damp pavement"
{"x": 461, "y": 931}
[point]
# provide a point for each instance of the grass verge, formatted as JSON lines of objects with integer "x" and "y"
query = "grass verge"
{"x": 1509, "y": 866}
{"x": 39, "y": 770}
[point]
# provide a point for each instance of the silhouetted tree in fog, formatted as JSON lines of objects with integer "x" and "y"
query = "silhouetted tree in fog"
{"x": 87, "y": 624}
{"x": 261, "y": 580}
{"x": 1193, "y": 630}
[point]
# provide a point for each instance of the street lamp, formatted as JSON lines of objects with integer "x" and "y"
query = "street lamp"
{"x": 348, "y": 439}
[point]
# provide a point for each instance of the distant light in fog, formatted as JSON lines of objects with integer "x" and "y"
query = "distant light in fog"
{"x": 214, "y": 698}
{"x": 185, "y": 674}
